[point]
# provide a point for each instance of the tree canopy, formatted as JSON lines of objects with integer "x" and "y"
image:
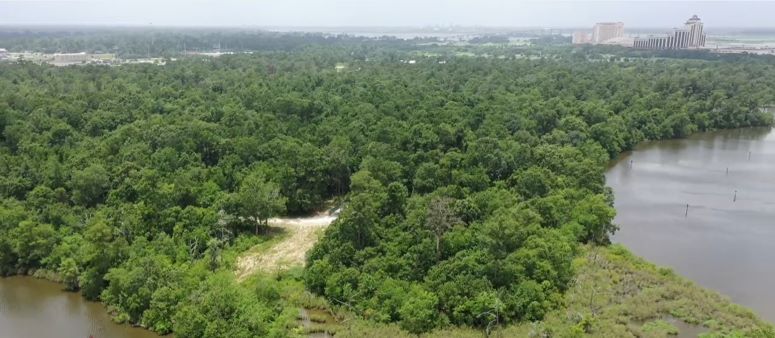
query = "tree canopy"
{"x": 468, "y": 184}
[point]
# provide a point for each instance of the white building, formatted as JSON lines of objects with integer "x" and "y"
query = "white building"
{"x": 71, "y": 57}
{"x": 601, "y": 33}
{"x": 3, "y": 54}
{"x": 63, "y": 59}
{"x": 624, "y": 41}
{"x": 604, "y": 31}
{"x": 690, "y": 36}
{"x": 694, "y": 28}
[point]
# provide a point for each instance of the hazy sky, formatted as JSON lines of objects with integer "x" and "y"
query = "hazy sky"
{"x": 516, "y": 13}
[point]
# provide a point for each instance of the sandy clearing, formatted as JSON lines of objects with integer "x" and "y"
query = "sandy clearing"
{"x": 315, "y": 221}
{"x": 303, "y": 233}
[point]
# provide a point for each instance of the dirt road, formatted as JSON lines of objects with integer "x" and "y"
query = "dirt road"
{"x": 303, "y": 233}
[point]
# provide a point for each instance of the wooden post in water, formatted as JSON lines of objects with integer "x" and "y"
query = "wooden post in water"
{"x": 686, "y": 214}
{"x": 630, "y": 164}
{"x": 727, "y": 171}
{"x": 734, "y": 199}
{"x": 749, "y": 155}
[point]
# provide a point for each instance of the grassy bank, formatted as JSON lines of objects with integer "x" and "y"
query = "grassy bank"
{"x": 615, "y": 294}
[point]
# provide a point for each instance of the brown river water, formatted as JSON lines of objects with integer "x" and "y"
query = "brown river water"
{"x": 723, "y": 243}
{"x": 726, "y": 240}
{"x": 34, "y": 308}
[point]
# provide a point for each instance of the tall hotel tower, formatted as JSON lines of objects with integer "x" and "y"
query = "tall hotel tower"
{"x": 690, "y": 36}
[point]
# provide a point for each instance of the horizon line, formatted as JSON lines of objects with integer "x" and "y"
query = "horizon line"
{"x": 425, "y": 26}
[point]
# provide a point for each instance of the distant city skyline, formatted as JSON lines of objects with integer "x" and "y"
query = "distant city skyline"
{"x": 384, "y": 13}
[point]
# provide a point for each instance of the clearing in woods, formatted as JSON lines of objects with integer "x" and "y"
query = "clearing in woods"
{"x": 302, "y": 235}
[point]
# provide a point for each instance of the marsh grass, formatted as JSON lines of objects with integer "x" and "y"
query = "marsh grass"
{"x": 615, "y": 294}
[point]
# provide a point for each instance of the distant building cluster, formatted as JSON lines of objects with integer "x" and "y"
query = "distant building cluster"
{"x": 78, "y": 58}
{"x": 612, "y": 33}
{"x": 603, "y": 33}
{"x": 690, "y": 36}
{"x": 60, "y": 59}
{"x": 68, "y": 59}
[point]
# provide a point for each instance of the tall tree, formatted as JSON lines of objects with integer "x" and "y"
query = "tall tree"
{"x": 441, "y": 218}
{"x": 258, "y": 199}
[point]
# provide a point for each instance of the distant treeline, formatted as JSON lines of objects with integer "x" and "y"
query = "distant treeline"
{"x": 168, "y": 42}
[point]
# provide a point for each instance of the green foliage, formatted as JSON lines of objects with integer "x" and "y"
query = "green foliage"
{"x": 257, "y": 200}
{"x": 220, "y": 308}
{"x": 31, "y": 243}
{"x": 69, "y": 272}
{"x": 131, "y": 288}
{"x": 595, "y": 215}
{"x": 659, "y": 328}
{"x": 468, "y": 185}
{"x": 616, "y": 294}
{"x": 418, "y": 312}
{"x": 90, "y": 185}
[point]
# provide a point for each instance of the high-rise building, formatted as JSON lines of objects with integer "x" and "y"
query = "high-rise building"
{"x": 604, "y": 31}
{"x": 694, "y": 27}
{"x": 690, "y": 36}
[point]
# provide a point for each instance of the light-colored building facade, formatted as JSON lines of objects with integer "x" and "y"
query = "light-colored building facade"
{"x": 690, "y": 36}
{"x": 604, "y": 31}
{"x": 694, "y": 28}
{"x": 3, "y": 54}
{"x": 581, "y": 38}
{"x": 624, "y": 41}
{"x": 71, "y": 57}
{"x": 80, "y": 58}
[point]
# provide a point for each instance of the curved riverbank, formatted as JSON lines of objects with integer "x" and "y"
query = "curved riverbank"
{"x": 722, "y": 240}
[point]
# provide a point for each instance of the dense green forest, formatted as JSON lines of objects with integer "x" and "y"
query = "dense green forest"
{"x": 469, "y": 185}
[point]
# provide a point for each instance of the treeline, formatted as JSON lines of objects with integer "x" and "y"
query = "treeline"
{"x": 469, "y": 183}
{"x": 136, "y": 42}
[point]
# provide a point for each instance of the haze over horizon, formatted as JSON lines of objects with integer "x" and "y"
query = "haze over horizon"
{"x": 383, "y": 13}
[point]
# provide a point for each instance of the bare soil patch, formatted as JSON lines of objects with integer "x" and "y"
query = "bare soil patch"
{"x": 302, "y": 235}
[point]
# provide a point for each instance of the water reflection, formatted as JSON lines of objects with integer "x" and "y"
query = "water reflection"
{"x": 725, "y": 242}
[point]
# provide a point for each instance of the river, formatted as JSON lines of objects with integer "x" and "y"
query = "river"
{"x": 34, "y": 308}
{"x": 726, "y": 239}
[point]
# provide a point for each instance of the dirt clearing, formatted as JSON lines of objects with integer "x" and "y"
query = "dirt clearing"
{"x": 303, "y": 233}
